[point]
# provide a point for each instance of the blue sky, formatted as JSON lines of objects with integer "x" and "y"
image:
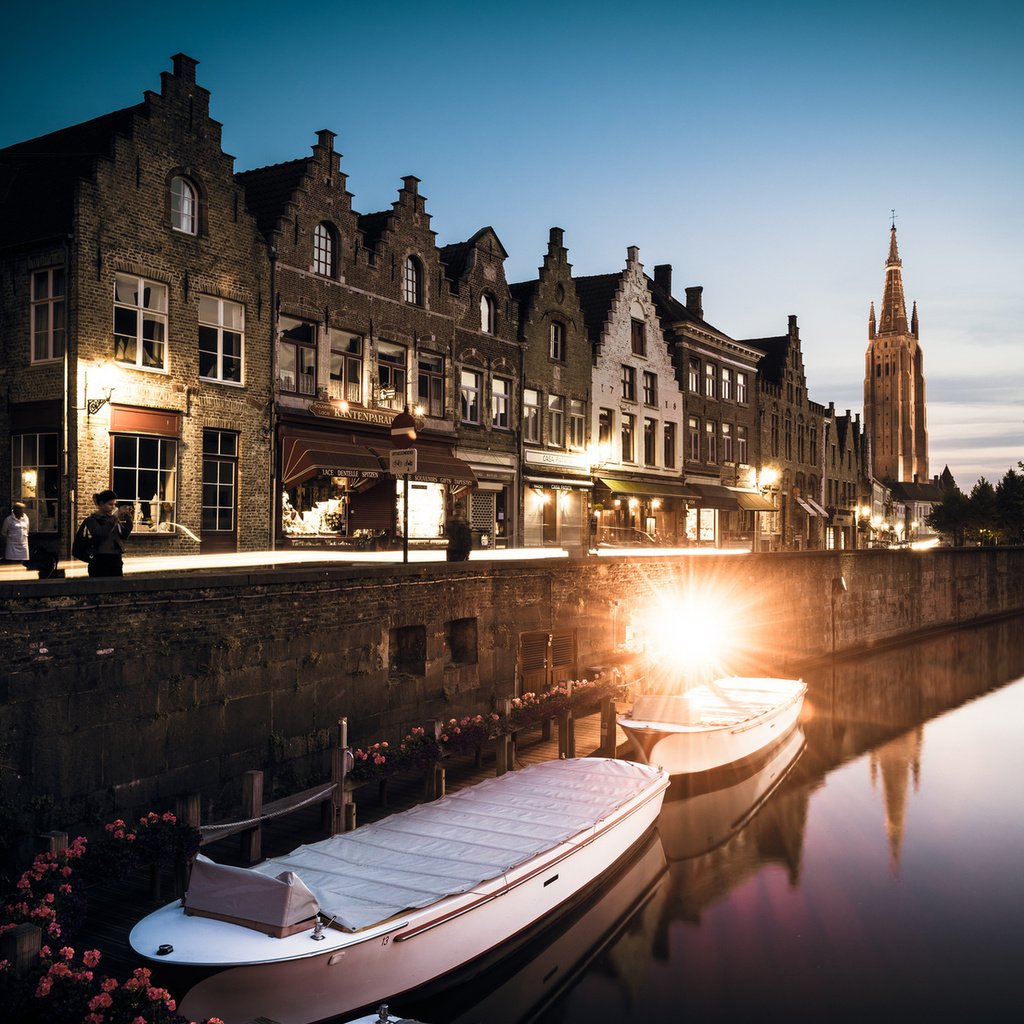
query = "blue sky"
{"x": 758, "y": 148}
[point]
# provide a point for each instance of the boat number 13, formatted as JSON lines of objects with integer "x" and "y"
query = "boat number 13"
{"x": 385, "y": 940}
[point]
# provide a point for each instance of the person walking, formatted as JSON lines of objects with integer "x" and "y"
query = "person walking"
{"x": 108, "y": 528}
{"x": 15, "y": 534}
{"x": 460, "y": 537}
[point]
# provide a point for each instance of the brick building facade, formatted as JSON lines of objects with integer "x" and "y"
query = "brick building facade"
{"x": 136, "y": 313}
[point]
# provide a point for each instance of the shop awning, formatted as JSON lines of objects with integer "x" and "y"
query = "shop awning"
{"x": 435, "y": 465}
{"x": 752, "y": 501}
{"x": 307, "y": 455}
{"x": 807, "y": 508}
{"x": 559, "y": 482}
{"x": 817, "y": 508}
{"x": 655, "y": 488}
{"x": 716, "y": 496}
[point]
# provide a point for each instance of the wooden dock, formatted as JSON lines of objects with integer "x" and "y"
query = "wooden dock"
{"x": 115, "y": 908}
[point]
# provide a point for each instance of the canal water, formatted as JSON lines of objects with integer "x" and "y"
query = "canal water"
{"x": 869, "y": 869}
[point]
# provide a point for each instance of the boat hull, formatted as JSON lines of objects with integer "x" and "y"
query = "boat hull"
{"x": 355, "y": 972}
{"x": 682, "y": 749}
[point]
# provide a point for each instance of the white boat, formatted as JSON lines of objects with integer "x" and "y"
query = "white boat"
{"x": 406, "y": 899}
{"x": 713, "y": 724}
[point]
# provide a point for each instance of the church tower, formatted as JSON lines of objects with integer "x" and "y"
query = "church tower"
{"x": 894, "y": 404}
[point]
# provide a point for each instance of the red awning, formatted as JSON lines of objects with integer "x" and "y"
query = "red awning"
{"x": 307, "y": 455}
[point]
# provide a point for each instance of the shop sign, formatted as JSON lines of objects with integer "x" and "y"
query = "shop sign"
{"x": 565, "y": 461}
{"x": 327, "y": 410}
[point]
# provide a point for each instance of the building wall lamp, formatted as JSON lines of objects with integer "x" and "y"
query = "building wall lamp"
{"x": 93, "y": 405}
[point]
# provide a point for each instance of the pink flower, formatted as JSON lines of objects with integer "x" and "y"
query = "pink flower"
{"x": 101, "y": 1001}
{"x": 91, "y": 957}
{"x": 108, "y": 984}
{"x": 43, "y": 988}
{"x": 67, "y": 952}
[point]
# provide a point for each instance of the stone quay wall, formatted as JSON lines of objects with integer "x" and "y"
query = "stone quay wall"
{"x": 118, "y": 695}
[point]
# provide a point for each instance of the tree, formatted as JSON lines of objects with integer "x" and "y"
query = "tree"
{"x": 982, "y": 512}
{"x": 951, "y": 517}
{"x": 1009, "y": 507}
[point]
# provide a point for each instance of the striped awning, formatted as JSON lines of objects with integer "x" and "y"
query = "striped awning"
{"x": 817, "y": 508}
{"x": 803, "y": 504}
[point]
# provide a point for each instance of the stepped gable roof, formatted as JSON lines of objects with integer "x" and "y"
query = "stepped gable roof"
{"x": 841, "y": 424}
{"x": 672, "y": 311}
{"x": 772, "y": 364}
{"x": 269, "y": 189}
{"x": 373, "y": 226}
{"x": 903, "y": 491}
{"x": 596, "y": 294}
{"x": 38, "y": 176}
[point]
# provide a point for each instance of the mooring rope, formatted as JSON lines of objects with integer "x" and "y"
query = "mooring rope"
{"x": 209, "y": 831}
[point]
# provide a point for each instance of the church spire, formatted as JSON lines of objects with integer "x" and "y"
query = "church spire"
{"x": 893, "y": 319}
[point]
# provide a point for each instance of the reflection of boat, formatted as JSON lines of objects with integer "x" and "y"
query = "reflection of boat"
{"x": 414, "y": 896}
{"x": 701, "y": 812}
{"x": 713, "y": 724}
{"x": 520, "y": 986}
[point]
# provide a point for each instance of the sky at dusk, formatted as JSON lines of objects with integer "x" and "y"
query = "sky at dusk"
{"x": 758, "y": 148}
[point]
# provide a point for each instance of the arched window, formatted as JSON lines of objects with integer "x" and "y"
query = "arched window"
{"x": 324, "y": 250}
{"x": 487, "y": 313}
{"x": 413, "y": 281}
{"x": 184, "y": 206}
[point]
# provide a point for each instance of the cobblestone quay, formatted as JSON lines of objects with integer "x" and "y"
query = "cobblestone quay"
{"x": 118, "y": 695}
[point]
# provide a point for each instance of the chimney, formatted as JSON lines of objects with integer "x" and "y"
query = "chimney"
{"x": 794, "y": 331}
{"x": 325, "y": 139}
{"x": 184, "y": 68}
{"x": 632, "y": 254}
{"x": 411, "y": 184}
{"x": 555, "y": 236}
{"x": 694, "y": 302}
{"x": 663, "y": 277}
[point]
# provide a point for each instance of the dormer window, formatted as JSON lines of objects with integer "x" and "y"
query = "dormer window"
{"x": 324, "y": 249}
{"x": 487, "y": 313}
{"x": 413, "y": 281}
{"x": 184, "y": 206}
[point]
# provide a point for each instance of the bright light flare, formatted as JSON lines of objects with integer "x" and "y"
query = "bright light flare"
{"x": 687, "y": 640}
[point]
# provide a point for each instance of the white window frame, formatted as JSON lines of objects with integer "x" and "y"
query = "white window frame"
{"x": 709, "y": 380}
{"x": 650, "y": 380}
{"x": 145, "y": 312}
{"x": 727, "y": 442}
{"x": 30, "y": 470}
{"x": 531, "y": 415}
{"x": 323, "y": 250}
{"x": 556, "y": 421}
{"x": 577, "y": 423}
{"x": 501, "y": 403}
{"x": 345, "y": 374}
{"x": 50, "y": 308}
{"x": 218, "y": 321}
{"x": 669, "y": 445}
{"x": 741, "y": 444}
{"x": 627, "y": 437}
{"x": 693, "y": 375}
{"x": 650, "y": 441}
{"x": 488, "y": 313}
{"x": 392, "y": 373}
{"x": 430, "y": 383}
{"x": 628, "y": 382}
{"x": 693, "y": 435}
{"x": 711, "y": 433}
{"x": 184, "y": 206}
{"x": 741, "y": 388}
{"x": 412, "y": 281}
{"x": 727, "y": 383}
{"x": 471, "y": 386}
{"x": 556, "y": 341}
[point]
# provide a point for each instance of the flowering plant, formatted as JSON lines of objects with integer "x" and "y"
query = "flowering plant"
{"x": 48, "y": 894}
{"x": 417, "y": 751}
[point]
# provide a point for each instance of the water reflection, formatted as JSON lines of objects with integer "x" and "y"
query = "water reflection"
{"x": 869, "y": 868}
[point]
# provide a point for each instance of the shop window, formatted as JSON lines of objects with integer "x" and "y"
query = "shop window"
{"x": 47, "y": 314}
{"x": 501, "y": 394}
{"x": 461, "y": 640}
{"x": 531, "y": 415}
{"x": 577, "y": 423}
{"x": 221, "y": 339}
{"x": 35, "y": 479}
{"x": 346, "y": 367}
{"x": 557, "y": 341}
{"x": 391, "y": 375}
{"x": 471, "y": 383}
{"x": 556, "y": 421}
{"x": 140, "y": 322}
{"x": 430, "y": 384}
{"x": 409, "y": 650}
{"x": 144, "y": 472}
{"x": 297, "y": 353}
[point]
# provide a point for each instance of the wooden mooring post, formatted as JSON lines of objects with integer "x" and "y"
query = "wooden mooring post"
{"x": 567, "y": 729}
{"x": 20, "y": 947}
{"x": 608, "y": 727}
{"x": 504, "y": 756}
{"x": 252, "y": 807}
{"x": 187, "y": 811}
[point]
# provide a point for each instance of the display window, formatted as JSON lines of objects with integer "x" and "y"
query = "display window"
{"x": 426, "y": 510}
{"x": 317, "y": 507}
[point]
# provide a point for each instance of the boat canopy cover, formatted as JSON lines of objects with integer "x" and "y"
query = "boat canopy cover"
{"x": 220, "y": 889}
{"x": 446, "y": 847}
